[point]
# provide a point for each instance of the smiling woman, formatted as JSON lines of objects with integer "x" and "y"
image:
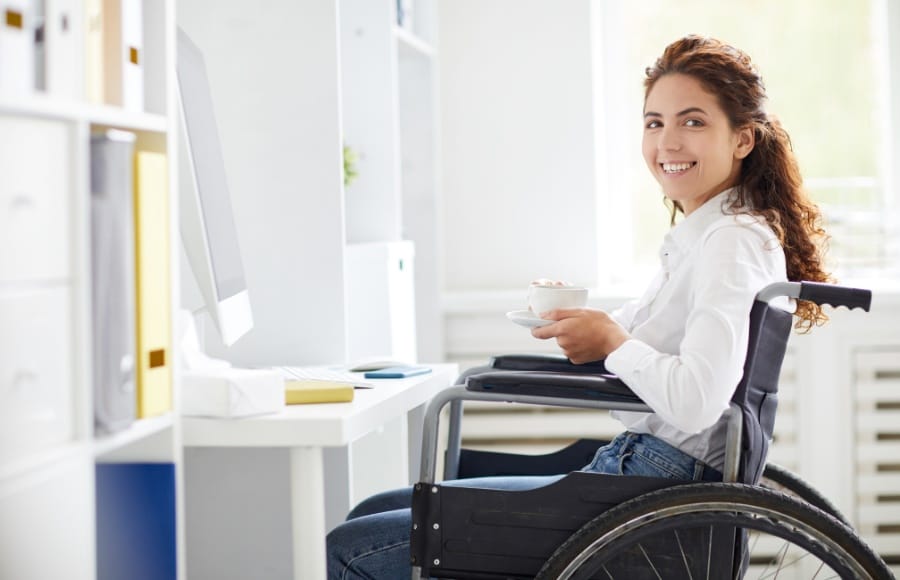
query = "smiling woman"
{"x": 839, "y": 116}
{"x": 689, "y": 144}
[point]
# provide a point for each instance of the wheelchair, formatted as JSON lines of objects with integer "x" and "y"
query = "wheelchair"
{"x": 760, "y": 521}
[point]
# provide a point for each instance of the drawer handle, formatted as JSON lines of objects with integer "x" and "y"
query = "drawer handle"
{"x": 24, "y": 380}
{"x": 22, "y": 201}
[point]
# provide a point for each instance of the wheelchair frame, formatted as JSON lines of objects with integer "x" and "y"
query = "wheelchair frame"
{"x": 553, "y": 381}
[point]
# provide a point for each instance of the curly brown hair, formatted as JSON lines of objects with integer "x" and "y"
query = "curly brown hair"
{"x": 770, "y": 183}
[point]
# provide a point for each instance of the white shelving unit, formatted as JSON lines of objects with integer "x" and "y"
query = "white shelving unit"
{"x": 304, "y": 81}
{"x": 48, "y": 447}
{"x": 389, "y": 119}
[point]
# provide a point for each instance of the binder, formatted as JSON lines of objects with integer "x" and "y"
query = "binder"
{"x": 135, "y": 509}
{"x": 112, "y": 280}
{"x": 154, "y": 333}
{"x": 93, "y": 49}
{"x": 38, "y": 44}
{"x": 63, "y": 69}
{"x": 17, "y": 47}
{"x": 123, "y": 56}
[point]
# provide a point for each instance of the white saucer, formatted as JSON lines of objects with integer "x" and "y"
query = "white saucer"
{"x": 527, "y": 318}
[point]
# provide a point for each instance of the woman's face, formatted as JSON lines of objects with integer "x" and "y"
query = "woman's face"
{"x": 689, "y": 144}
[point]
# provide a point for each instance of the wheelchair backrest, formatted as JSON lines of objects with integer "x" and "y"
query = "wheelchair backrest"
{"x": 757, "y": 393}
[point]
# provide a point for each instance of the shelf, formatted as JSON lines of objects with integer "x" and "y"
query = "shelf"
{"x": 407, "y": 39}
{"x": 40, "y": 105}
{"x": 137, "y": 432}
{"x": 17, "y": 287}
{"x": 35, "y": 462}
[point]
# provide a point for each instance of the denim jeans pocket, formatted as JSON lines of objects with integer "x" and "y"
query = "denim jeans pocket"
{"x": 636, "y": 463}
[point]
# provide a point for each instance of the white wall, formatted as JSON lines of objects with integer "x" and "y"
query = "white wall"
{"x": 517, "y": 143}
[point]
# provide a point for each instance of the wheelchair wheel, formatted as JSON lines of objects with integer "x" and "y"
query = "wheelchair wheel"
{"x": 781, "y": 479}
{"x": 714, "y": 530}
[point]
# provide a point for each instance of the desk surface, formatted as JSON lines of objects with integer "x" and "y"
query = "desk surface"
{"x": 321, "y": 425}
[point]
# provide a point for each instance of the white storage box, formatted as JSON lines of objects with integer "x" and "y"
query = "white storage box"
{"x": 231, "y": 392}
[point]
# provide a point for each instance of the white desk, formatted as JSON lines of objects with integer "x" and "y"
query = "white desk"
{"x": 305, "y": 430}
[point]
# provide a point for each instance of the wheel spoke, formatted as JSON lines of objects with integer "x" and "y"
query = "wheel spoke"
{"x": 683, "y": 556}
{"x": 783, "y": 565}
{"x": 781, "y": 557}
{"x": 646, "y": 557}
{"x": 627, "y": 537}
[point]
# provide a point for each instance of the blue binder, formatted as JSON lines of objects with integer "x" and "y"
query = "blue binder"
{"x": 136, "y": 521}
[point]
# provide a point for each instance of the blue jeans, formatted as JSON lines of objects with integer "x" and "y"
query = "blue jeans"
{"x": 373, "y": 543}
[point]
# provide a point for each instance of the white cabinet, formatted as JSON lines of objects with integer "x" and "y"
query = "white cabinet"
{"x": 389, "y": 120}
{"x": 381, "y": 312}
{"x": 35, "y": 198}
{"x": 46, "y": 521}
{"x": 37, "y": 380}
{"x": 48, "y": 447}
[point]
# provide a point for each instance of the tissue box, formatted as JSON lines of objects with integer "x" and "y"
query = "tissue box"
{"x": 231, "y": 392}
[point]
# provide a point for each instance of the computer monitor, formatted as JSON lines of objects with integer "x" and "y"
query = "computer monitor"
{"x": 208, "y": 232}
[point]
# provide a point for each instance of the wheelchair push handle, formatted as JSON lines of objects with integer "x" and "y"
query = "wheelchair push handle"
{"x": 836, "y": 295}
{"x": 819, "y": 293}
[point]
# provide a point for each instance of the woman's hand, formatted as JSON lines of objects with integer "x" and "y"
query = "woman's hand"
{"x": 583, "y": 334}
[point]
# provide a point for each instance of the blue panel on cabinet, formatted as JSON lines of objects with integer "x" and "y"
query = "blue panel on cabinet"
{"x": 136, "y": 521}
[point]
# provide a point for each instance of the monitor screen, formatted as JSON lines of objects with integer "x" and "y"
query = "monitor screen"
{"x": 207, "y": 221}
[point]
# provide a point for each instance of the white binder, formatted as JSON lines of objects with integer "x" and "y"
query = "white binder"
{"x": 17, "y": 64}
{"x": 63, "y": 42}
{"x": 123, "y": 50}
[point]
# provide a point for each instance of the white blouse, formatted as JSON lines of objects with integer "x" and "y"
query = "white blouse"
{"x": 690, "y": 329}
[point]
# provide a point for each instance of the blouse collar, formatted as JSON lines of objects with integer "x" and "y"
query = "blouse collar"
{"x": 686, "y": 233}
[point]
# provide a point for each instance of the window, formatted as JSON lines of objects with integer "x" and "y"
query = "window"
{"x": 825, "y": 65}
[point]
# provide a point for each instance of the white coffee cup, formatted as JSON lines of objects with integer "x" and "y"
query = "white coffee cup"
{"x": 542, "y": 298}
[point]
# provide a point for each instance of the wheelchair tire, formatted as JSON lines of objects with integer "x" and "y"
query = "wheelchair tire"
{"x": 621, "y": 532}
{"x": 782, "y": 479}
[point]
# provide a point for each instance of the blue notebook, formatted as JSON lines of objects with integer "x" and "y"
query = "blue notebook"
{"x": 398, "y": 372}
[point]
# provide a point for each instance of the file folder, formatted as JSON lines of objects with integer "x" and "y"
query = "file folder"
{"x": 136, "y": 537}
{"x": 154, "y": 333}
{"x": 63, "y": 67}
{"x": 93, "y": 49}
{"x": 17, "y": 47}
{"x": 123, "y": 56}
{"x": 112, "y": 279}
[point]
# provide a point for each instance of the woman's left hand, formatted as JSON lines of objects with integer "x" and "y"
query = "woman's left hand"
{"x": 583, "y": 334}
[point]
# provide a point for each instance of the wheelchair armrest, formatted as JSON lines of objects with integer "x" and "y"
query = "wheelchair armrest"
{"x": 544, "y": 362}
{"x": 601, "y": 387}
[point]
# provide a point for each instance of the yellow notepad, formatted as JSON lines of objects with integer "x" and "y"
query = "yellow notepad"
{"x": 298, "y": 392}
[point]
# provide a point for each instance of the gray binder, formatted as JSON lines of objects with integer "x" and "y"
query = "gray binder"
{"x": 113, "y": 279}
